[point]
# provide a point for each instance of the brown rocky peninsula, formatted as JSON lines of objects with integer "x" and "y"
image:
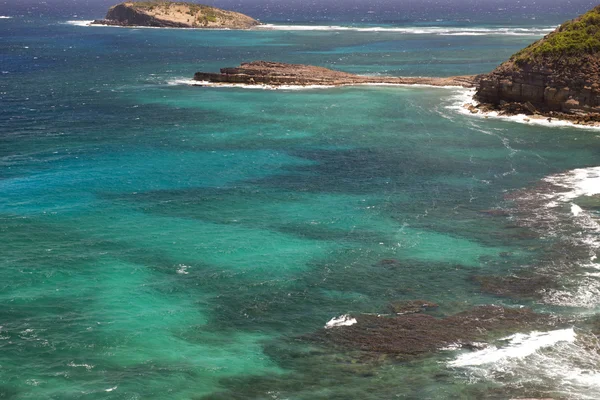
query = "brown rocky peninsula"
{"x": 170, "y": 14}
{"x": 281, "y": 74}
{"x": 555, "y": 77}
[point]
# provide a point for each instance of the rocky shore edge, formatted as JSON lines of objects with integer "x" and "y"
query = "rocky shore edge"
{"x": 277, "y": 74}
{"x": 556, "y": 77}
{"x": 528, "y": 113}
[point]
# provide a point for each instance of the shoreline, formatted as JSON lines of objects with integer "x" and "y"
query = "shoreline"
{"x": 471, "y": 107}
{"x": 278, "y": 74}
{"x": 91, "y": 24}
{"x": 192, "y": 82}
{"x": 463, "y": 104}
{"x": 408, "y": 30}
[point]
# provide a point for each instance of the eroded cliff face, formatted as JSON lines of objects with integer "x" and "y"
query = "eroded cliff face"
{"x": 559, "y": 73}
{"x": 550, "y": 86}
{"x": 170, "y": 14}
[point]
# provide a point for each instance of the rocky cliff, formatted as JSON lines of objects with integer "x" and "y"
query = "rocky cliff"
{"x": 556, "y": 76}
{"x": 175, "y": 15}
{"x": 279, "y": 74}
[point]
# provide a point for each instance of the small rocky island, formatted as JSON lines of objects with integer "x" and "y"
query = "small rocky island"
{"x": 169, "y": 14}
{"x": 555, "y": 77}
{"x": 278, "y": 74}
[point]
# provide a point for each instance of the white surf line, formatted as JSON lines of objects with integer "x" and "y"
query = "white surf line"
{"x": 466, "y": 98}
{"x": 518, "y": 346}
{"x": 563, "y": 361}
{"x": 435, "y": 30}
{"x": 442, "y": 31}
{"x": 192, "y": 82}
{"x": 580, "y": 182}
{"x": 559, "y": 207}
{"x": 90, "y": 23}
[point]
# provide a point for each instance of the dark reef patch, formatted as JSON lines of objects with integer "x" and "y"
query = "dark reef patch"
{"x": 411, "y": 335}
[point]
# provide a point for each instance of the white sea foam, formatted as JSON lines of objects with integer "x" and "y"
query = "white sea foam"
{"x": 79, "y": 23}
{"x": 422, "y": 85}
{"x": 183, "y": 269}
{"x": 343, "y": 320}
{"x": 192, "y": 82}
{"x": 86, "y": 366}
{"x": 579, "y": 182}
{"x": 575, "y": 209}
{"x": 552, "y": 210}
{"x": 563, "y": 362}
{"x": 5, "y": 17}
{"x": 91, "y": 23}
{"x": 518, "y": 346}
{"x": 433, "y": 30}
{"x": 465, "y": 98}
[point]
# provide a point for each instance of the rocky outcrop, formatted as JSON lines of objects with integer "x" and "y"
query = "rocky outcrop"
{"x": 167, "y": 14}
{"x": 279, "y": 74}
{"x": 558, "y": 75}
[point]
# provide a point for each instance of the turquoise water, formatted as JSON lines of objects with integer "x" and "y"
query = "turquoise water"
{"x": 167, "y": 241}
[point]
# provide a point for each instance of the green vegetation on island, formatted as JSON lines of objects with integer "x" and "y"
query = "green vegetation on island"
{"x": 176, "y": 14}
{"x": 578, "y": 37}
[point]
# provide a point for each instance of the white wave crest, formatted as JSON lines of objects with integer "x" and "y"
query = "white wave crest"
{"x": 86, "y": 366}
{"x": 183, "y": 269}
{"x": 579, "y": 182}
{"x": 562, "y": 361}
{"x": 343, "y": 320}
{"x": 5, "y": 17}
{"x": 79, "y": 23}
{"x": 556, "y": 209}
{"x": 518, "y": 346}
{"x": 191, "y": 82}
{"x": 433, "y": 30}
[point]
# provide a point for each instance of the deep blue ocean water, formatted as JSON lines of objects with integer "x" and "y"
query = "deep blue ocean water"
{"x": 159, "y": 240}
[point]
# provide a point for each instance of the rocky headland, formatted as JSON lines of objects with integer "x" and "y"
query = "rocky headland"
{"x": 169, "y": 14}
{"x": 555, "y": 77}
{"x": 281, "y": 74}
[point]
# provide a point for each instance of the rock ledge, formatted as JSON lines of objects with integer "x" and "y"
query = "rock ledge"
{"x": 281, "y": 74}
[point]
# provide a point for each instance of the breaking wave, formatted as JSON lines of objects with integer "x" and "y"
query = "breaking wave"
{"x": 79, "y": 23}
{"x": 191, "y": 82}
{"x": 560, "y": 362}
{"x": 557, "y": 209}
{"x": 433, "y": 30}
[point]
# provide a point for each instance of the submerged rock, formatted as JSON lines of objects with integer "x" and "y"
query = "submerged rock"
{"x": 496, "y": 212}
{"x": 416, "y": 334}
{"x": 412, "y": 306}
{"x": 523, "y": 286}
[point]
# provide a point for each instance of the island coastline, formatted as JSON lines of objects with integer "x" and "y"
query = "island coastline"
{"x": 174, "y": 14}
{"x": 278, "y": 74}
